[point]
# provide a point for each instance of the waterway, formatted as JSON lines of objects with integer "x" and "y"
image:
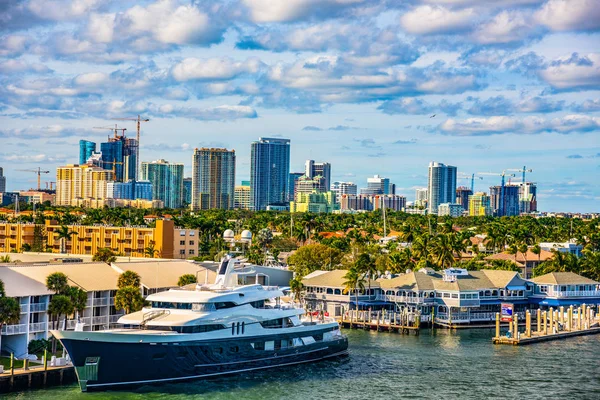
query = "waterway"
{"x": 433, "y": 365}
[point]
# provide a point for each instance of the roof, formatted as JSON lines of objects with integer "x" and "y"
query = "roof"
{"x": 333, "y": 278}
{"x": 529, "y": 256}
{"x": 564, "y": 278}
{"x": 410, "y": 281}
{"x": 89, "y": 276}
{"x": 160, "y": 274}
{"x": 17, "y": 284}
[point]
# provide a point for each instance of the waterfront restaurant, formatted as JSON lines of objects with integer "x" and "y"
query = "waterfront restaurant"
{"x": 557, "y": 289}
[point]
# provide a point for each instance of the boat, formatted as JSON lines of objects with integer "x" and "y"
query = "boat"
{"x": 209, "y": 331}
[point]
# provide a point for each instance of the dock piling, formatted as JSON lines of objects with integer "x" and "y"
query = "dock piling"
{"x": 527, "y": 323}
{"x": 539, "y": 320}
{"x": 497, "y": 324}
{"x": 551, "y": 320}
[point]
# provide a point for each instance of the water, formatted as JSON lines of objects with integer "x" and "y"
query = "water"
{"x": 442, "y": 365}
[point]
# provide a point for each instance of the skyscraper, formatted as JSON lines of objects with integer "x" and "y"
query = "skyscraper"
{"x": 242, "y": 196}
{"x": 479, "y": 205}
{"x": 81, "y": 185}
{"x": 421, "y": 197}
{"x": 511, "y": 200}
{"x": 527, "y": 197}
{"x": 213, "y": 179}
{"x": 441, "y": 187}
{"x": 378, "y": 185}
{"x": 2, "y": 181}
{"x": 462, "y": 197}
{"x": 130, "y": 190}
{"x": 269, "y": 172}
{"x": 167, "y": 181}
{"x": 187, "y": 191}
{"x": 120, "y": 154}
{"x": 312, "y": 169}
{"x": 304, "y": 184}
{"x": 86, "y": 149}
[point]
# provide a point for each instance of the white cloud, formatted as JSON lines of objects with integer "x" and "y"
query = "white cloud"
{"x": 425, "y": 20}
{"x": 506, "y": 27}
{"x": 290, "y": 10}
{"x": 574, "y": 72}
{"x": 57, "y": 10}
{"x": 213, "y": 68}
{"x": 567, "y": 15}
{"x": 91, "y": 79}
{"x": 220, "y": 113}
{"x": 13, "y": 44}
{"x": 100, "y": 27}
{"x": 18, "y": 66}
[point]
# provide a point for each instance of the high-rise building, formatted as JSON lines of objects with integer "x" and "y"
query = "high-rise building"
{"x": 2, "y": 181}
{"x": 378, "y": 185}
{"x": 292, "y": 184}
{"x": 441, "y": 187}
{"x": 304, "y": 184}
{"x": 187, "y": 191}
{"x": 390, "y": 201}
{"x": 242, "y": 196}
{"x": 462, "y": 197}
{"x": 213, "y": 179}
{"x": 167, "y": 181}
{"x": 130, "y": 190}
{"x": 120, "y": 155}
{"x": 420, "y": 197}
{"x": 370, "y": 202}
{"x": 527, "y": 197}
{"x": 507, "y": 207}
{"x": 479, "y": 205}
{"x": 82, "y": 185}
{"x": 342, "y": 188}
{"x": 86, "y": 149}
{"x": 269, "y": 172}
{"x": 312, "y": 169}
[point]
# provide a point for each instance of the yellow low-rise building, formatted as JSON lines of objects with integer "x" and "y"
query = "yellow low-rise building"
{"x": 14, "y": 236}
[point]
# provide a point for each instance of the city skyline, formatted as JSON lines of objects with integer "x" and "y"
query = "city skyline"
{"x": 355, "y": 84}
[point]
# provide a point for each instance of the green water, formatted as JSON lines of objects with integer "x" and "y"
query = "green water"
{"x": 442, "y": 365}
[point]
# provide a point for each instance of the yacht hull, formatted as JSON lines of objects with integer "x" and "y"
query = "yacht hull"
{"x": 102, "y": 365}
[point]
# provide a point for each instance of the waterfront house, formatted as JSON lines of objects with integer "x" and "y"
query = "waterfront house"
{"x": 413, "y": 291}
{"x": 526, "y": 262}
{"x": 557, "y": 289}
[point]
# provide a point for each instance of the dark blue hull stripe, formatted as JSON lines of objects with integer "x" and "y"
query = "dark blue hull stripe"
{"x": 264, "y": 359}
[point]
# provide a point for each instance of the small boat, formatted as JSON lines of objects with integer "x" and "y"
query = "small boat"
{"x": 209, "y": 331}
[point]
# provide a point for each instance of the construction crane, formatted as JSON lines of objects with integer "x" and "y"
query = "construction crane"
{"x": 139, "y": 121}
{"x": 522, "y": 170}
{"x": 503, "y": 174}
{"x": 39, "y": 173}
{"x": 115, "y": 129}
{"x": 472, "y": 178}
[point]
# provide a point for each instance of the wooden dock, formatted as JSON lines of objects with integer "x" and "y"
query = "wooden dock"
{"x": 35, "y": 378}
{"x": 404, "y": 323}
{"x": 551, "y": 325}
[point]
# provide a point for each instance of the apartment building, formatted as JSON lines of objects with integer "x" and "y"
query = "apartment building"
{"x": 185, "y": 243}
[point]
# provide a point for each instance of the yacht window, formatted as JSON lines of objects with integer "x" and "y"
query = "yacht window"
{"x": 218, "y": 350}
{"x": 224, "y": 304}
{"x": 170, "y": 305}
{"x": 270, "y": 345}
{"x": 187, "y": 329}
{"x": 318, "y": 337}
{"x": 233, "y": 328}
{"x": 277, "y": 345}
{"x": 258, "y": 304}
{"x": 258, "y": 345}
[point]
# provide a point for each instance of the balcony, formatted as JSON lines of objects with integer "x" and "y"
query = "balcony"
{"x": 408, "y": 299}
{"x": 114, "y": 318}
{"x": 38, "y": 307}
{"x": 24, "y": 308}
{"x": 37, "y": 327}
{"x": 100, "y": 320}
{"x": 574, "y": 293}
{"x": 97, "y": 302}
{"x": 14, "y": 329}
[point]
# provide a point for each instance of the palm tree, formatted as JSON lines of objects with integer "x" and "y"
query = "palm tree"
{"x": 186, "y": 279}
{"x": 78, "y": 298}
{"x": 10, "y": 311}
{"x": 443, "y": 252}
{"x": 150, "y": 251}
{"x": 354, "y": 281}
{"x": 537, "y": 250}
{"x": 106, "y": 255}
{"x": 296, "y": 287}
{"x": 129, "y": 279}
{"x": 57, "y": 282}
{"x": 64, "y": 235}
{"x": 129, "y": 299}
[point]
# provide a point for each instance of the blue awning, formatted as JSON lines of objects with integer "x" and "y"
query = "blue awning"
{"x": 372, "y": 303}
{"x": 565, "y": 302}
{"x": 516, "y": 287}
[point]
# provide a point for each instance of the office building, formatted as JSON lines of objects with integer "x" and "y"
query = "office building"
{"x": 420, "y": 197}
{"x": 365, "y": 202}
{"x": 389, "y": 201}
{"x": 86, "y": 149}
{"x": 479, "y": 205}
{"x": 304, "y": 184}
{"x": 187, "y": 191}
{"x": 313, "y": 169}
{"x": 2, "y": 181}
{"x": 322, "y": 202}
{"x": 292, "y": 184}
{"x": 269, "y": 172}
{"x": 527, "y": 197}
{"x": 167, "y": 181}
{"x": 450, "y": 209}
{"x": 82, "y": 185}
{"x": 378, "y": 185}
{"x": 213, "y": 179}
{"x": 342, "y": 188}
{"x": 441, "y": 187}
{"x": 507, "y": 207}
{"x": 462, "y": 197}
{"x": 131, "y": 190}
{"x": 242, "y": 196}
{"x": 36, "y": 197}
{"x": 120, "y": 155}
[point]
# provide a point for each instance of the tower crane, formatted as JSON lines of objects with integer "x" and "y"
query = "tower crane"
{"x": 39, "y": 172}
{"x": 503, "y": 174}
{"x": 472, "y": 178}
{"x": 522, "y": 170}
{"x": 115, "y": 129}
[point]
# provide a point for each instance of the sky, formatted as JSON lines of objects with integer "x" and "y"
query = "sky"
{"x": 373, "y": 87}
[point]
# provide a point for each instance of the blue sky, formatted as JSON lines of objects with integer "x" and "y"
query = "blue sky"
{"x": 351, "y": 82}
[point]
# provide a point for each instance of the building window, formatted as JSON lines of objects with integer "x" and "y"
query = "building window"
{"x": 191, "y": 242}
{"x": 182, "y": 242}
{"x": 192, "y": 233}
{"x": 182, "y": 233}
{"x": 182, "y": 252}
{"x": 192, "y": 251}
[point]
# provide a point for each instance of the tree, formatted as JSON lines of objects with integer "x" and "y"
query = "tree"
{"x": 106, "y": 255}
{"x": 39, "y": 239}
{"x": 10, "y": 310}
{"x": 354, "y": 280}
{"x": 442, "y": 251}
{"x": 129, "y": 298}
{"x": 264, "y": 237}
{"x": 129, "y": 279}
{"x": 78, "y": 297}
{"x": 57, "y": 282}
{"x": 150, "y": 251}
{"x": 186, "y": 279}
{"x": 59, "y": 305}
{"x": 537, "y": 250}
{"x": 296, "y": 287}
{"x": 5, "y": 259}
{"x": 64, "y": 235}
{"x": 314, "y": 257}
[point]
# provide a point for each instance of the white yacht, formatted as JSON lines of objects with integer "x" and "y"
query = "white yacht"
{"x": 213, "y": 330}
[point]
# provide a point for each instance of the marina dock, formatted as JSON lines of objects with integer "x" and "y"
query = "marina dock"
{"x": 35, "y": 376}
{"x": 550, "y": 325}
{"x": 381, "y": 321}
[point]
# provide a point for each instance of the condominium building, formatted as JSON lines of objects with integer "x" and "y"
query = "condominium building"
{"x": 441, "y": 186}
{"x": 479, "y": 205}
{"x": 120, "y": 154}
{"x": 213, "y": 178}
{"x": 242, "y": 196}
{"x": 462, "y": 197}
{"x": 269, "y": 172}
{"x": 86, "y": 149}
{"x": 2, "y": 181}
{"x": 323, "y": 169}
{"x": 363, "y": 202}
{"x": 130, "y": 190}
{"x": 81, "y": 185}
{"x": 389, "y": 201}
{"x": 450, "y": 209}
{"x": 342, "y": 188}
{"x": 294, "y": 176}
{"x": 505, "y": 200}
{"x": 421, "y": 197}
{"x": 14, "y": 236}
{"x": 36, "y": 197}
{"x": 314, "y": 202}
{"x": 167, "y": 181}
{"x": 378, "y": 185}
{"x": 187, "y": 191}
{"x": 527, "y": 197}
{"x": 305, "y": 184}
{"x": 185, "y": 243}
